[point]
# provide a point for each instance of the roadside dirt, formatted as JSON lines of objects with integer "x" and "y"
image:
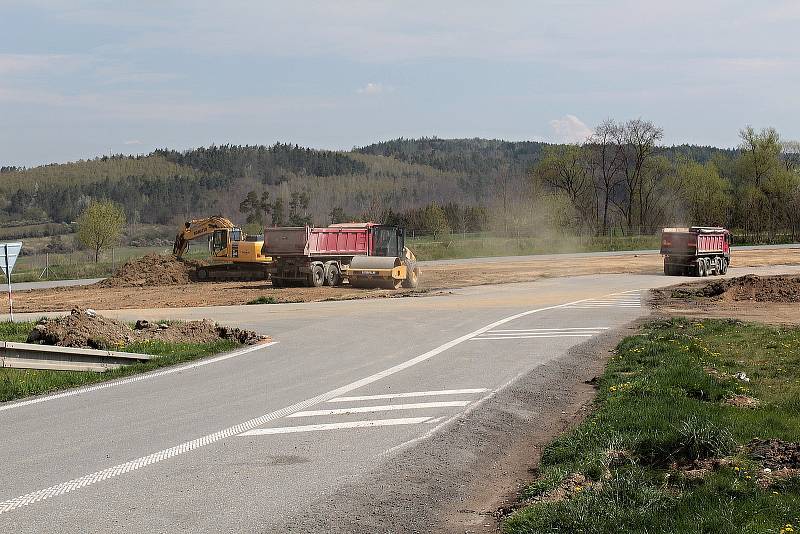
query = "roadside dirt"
{"x": 765, "y": 299}
{"x": 173, "y": 293}
{"x": 85, "y": 329}
{"x": 153, "y": 270}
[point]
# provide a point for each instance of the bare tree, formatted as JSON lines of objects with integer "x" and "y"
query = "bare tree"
{"x": 635, "y": 142}
{"x": 566, "y": 168}
{"x": 605, "y": 165}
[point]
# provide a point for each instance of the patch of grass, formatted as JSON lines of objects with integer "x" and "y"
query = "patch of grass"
{"x": 660, "y": 404}
{"x": 15, "y": 331}
{"x": 263, "y": 300}
{"x": 18, "y": 383}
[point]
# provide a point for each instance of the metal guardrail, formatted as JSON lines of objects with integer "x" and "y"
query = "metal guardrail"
{"x": 33, "y": 356}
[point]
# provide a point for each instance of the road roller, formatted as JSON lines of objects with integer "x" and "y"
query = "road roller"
{"x": 365, "y": 255}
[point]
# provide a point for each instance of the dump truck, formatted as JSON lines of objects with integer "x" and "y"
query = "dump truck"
{"x": 696, "y": 251}
{"x": 234, "y": 254}
{"x": 362, "y": 254}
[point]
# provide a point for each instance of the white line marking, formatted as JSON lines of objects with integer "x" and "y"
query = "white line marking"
{"x": 137, "y": 378}
{"x": 382, "y": 408}
{"x": 550, "y": 329}
{"x": 573, "y": 332}
{"x": 482, "y": 338}
{"x": 410, "y": 394}
{"x": 111, "y": 472}
{"x": 600, "y": 307}
{"x": 335, "y": 426}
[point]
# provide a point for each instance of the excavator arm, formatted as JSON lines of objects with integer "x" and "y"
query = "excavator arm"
{"x": 198, "y": 228}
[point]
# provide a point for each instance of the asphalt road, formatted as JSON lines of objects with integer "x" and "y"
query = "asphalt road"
{"x": 251, "y": 442}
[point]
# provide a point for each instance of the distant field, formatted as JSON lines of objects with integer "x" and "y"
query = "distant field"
{"x": 484, "y": 245}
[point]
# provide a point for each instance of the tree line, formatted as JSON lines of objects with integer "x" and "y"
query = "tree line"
{"x": 620, "y": 177}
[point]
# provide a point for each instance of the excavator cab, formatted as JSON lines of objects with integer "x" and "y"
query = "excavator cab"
{"x": 219, "y": 241}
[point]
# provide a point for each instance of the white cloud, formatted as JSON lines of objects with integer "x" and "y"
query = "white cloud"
{"x": 373, "y": 89}
{"x": 570, "y": 129}
{"x": 132, "y": 142}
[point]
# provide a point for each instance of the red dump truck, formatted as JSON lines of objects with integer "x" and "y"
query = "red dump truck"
{"x": 362, "y": 254}
{"x": 695, "y": 251}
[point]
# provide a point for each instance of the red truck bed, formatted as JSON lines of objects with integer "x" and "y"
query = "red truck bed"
{"x": 306, "y": 241}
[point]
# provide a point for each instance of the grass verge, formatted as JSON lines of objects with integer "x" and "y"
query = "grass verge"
{"x": 18, "y": 383}
{"x": 665, "y": 449}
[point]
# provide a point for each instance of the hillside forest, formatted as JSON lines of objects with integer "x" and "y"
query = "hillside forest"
{"x": 621, "y": 180}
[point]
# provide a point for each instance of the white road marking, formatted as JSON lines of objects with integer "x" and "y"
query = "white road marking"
{"x": 114, "y": 471}
{"x": 137, "y": 378}
{"x": 577, "y": 328}
{"x": 410, "y": 394}
{"x": 335, "y": 426}
{"x": 382, "y": 408}
{"x": 573, "y": 332}
{"x": 484, "y": 338}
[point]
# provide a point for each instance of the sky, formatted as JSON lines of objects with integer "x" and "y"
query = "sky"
{"x": 85, "y": 78}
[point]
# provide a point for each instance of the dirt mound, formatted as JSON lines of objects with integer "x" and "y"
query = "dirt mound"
{"x": 775, "y": 453}
{"x": 153, "y": 270}
{"x": 85, "y": 329}
{"x": 783, "y": 288}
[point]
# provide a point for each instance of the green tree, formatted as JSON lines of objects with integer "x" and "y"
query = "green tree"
{"x": 278, "y": 212}
{"x": 256, "y": 207}
{"x": 100, "y": 226}
{"x": 434, "y": 221}
{"x": 702, "y": 192}
{"x": 298, "y": 209}
{"x": 337, "y": 215}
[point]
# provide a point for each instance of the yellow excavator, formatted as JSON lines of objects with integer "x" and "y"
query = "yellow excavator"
{"x": 234, "y": 254}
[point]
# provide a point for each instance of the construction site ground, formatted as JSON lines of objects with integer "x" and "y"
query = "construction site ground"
{"x": 147, "y": 293}
{"x": 763, "y": 299}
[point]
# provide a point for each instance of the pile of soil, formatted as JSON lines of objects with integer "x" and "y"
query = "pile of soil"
{"x": 775, "y": 453}
{"x": 85, "y": 329}
{"x": 153, "y": 270}
{"x": 783, "y": 288}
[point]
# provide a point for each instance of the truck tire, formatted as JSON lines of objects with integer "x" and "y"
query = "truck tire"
{"x": 717, "y": 266}
{"x": 701, "y": 271}
{"x": 724, "y": 266}
{"x": 317, "y": 276}
{"x": 412, "y": 278}
{"x": 202, "y": 274}
{"x": 333, "y": 276}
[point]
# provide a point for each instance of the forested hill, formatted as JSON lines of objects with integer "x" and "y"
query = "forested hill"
{"x": 167, "y": 186}
{"x": 469, "y": 156}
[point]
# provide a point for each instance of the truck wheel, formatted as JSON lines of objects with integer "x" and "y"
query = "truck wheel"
{"x": 717, "y": 266}
{"x": 317, "y": 276}
{"x": 333, "y": 276}
{"x": 412, "y": 278}
{"x": 724, "y": 266}
{"x": 202, "y": 274}
{"x": 701, "y": 268}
